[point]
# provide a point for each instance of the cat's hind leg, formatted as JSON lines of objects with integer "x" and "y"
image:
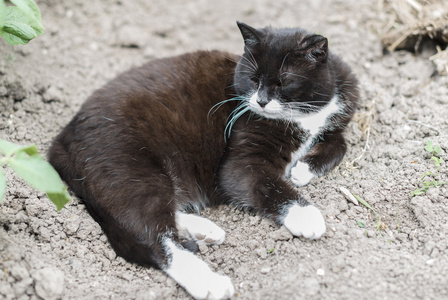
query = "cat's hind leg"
{"x": 142, "y": 226}
{"x": 160, "y": 243}
{"x": 199, "y": 229}
{"x": 194, "y": 275}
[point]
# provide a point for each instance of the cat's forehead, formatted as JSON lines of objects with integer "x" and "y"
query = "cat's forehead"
{"x": 280, "y": 42}
{"x": 286, "y": 36}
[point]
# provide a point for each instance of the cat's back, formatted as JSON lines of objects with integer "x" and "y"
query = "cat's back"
{"x": 153, "y": 114}
{"x": 171, "y": 85}
{"x": 162, "y": 95}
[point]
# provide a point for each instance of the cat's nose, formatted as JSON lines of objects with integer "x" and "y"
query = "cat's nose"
{"x": 262, "y": 102}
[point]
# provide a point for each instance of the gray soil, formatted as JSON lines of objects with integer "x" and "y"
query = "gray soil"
{"x": 401, "y": 253}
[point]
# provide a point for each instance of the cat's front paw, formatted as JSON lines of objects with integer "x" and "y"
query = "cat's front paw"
{"x": 301, "y": 174}
{"x": 306, "y": 221}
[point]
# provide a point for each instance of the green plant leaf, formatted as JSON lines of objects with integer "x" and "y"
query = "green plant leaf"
{"x": 363, "y": 202}
{"x": 19, "y": 24}
{"x": 30, "y": 150}
{"x": 8, "y": 148}
{"x": 436, "y": 160}
{"x": 427, "y": 173}
{"x": 438, "y": 183}
{"x": 2, "y": 14}
{"x": 2, "y": 185}
{"x": 19, "y": 28}
{"x": 361, "y": 224}
{"x": 59, "y": 199}
{"x": 418, "y": 192}
{"x": 29, "y": 7}
{"x": 429, "y": 146}
{"x": 37, "y": 172}
{"x": 437, "y": 149}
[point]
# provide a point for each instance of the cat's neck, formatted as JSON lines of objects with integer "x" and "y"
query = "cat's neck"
{"x": 316, "y": 122}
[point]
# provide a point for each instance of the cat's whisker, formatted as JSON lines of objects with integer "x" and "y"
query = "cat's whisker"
{"x": 252, "y": 58}
{"x": 303, "y": 105}
{"x": 215, "y": 107}
{"x": 250, "y": 66}
{"x": 320, "y": 94}
{"x": 248, "y": 72}
{"x": 294, "y": 107}
{"x": 283, "y": 62}
{"x": 293, "y": 74}
{"x": 234, "y": 116}
{"x": 308, "y": 104}
{"x": 236, "y": 111}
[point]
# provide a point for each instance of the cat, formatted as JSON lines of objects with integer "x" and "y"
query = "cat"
{"x": 180, "y": 133}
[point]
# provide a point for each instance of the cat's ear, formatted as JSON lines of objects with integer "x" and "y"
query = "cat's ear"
{"x": 250, "y": 35}
{"x": 314, "y": 47}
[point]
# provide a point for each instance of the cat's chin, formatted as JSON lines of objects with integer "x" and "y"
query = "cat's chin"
{"x": 267, "y": 114}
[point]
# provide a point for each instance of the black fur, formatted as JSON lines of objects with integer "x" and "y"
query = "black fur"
{"x": 152, "y": 141}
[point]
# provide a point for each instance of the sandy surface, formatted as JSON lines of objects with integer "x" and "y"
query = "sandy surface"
{"x": 50, "y": 254}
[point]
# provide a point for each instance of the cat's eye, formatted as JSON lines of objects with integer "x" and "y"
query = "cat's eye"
{"x": 255, "y": 80}
{"x": 284, "y": 82}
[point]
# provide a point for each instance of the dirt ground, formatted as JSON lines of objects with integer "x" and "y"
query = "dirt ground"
{"x": 401, "y": 253}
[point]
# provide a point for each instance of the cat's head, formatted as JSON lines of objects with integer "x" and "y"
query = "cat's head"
{"x": 283, "y": 72}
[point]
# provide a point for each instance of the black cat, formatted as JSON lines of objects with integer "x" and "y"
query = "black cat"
{"x": 184, "y": 132}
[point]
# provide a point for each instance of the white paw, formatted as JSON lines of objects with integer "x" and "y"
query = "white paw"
{"x": 195, "y": 276}
{"x": 216, "y": 287}
{"x": 301, "y": 174}
{"x": 199, "y": 229}
{"x": 306, "y": 221}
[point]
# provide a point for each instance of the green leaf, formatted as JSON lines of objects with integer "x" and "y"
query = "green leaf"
{"x": 29, "y": 7}
{"x": 59, "y": 199}
{"x": 2, "y": 185}
{"x": 19, "y": 28}
{"x": 438, "y": 183}
{"x": 418, "y": 192}
{"x": 29, "y": 165}
{"x": 361, "y": 224}
{"x": 427, "y": 173}
{"x": 30, "y": 150}
{"x": 2, "y": 14}
{"x": 429, "y": 146}
{"x": 436, "y": 160}
{"x": 363, "y": 202}
{"x": 8, "y": 148}
{"x": 37, "y": 172}
{"x": 437, "y": 149}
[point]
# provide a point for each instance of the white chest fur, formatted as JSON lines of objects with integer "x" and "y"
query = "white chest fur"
{"x": 314, "y": 124}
